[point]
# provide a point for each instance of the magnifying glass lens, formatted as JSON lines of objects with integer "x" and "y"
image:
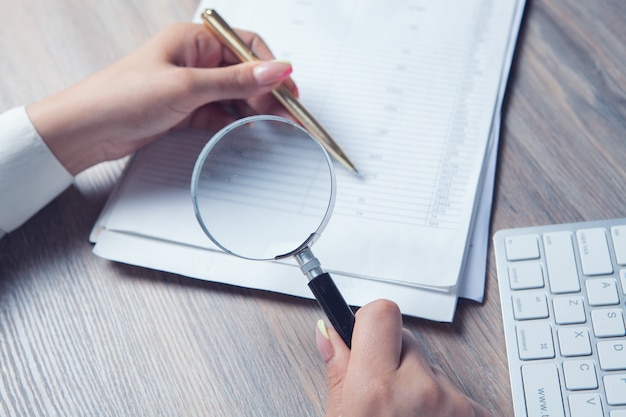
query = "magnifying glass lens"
{"x": 262, "y": 187}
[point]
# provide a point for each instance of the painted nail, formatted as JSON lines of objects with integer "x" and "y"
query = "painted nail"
{"x": 271, "y": 72}
{"x": 322, "y": 326}
{"x": 324, "y": 346}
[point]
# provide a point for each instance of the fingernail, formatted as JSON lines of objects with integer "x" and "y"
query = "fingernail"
{"x": 322, "y": 327}
{"x": 324, "y": 346}
{"x": 271, "y": 72}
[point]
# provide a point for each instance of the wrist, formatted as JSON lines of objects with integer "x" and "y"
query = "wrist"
{"x": 58, "y": 121}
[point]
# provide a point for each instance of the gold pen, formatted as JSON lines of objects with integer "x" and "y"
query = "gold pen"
{"x": 233, "y": 42}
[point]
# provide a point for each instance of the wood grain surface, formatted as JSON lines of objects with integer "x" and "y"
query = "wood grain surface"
{"x": 81, "y": 336}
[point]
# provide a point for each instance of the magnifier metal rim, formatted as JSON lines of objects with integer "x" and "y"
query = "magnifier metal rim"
{"x": 195, "y": 176}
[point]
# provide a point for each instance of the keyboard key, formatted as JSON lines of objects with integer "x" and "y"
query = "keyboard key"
{"x": 602, "y": 291}
{"x": 618, "y": 233}
{"x": 542, "y": 391}
{"x": 534, "y": 341}
{"x": 585, "y": 405}
{"x": 580, "y": 375}
{"x": 594, "y": 252}
{"x": 530, "y": 305}
{"x": 612, "y": 355}
{"x": 574, "y": 341}
{"x": 615, "y": 389}
{"x": 520, "y": 248}
{"x": 569, "y": 310}
{"x": 618, "y": 413}
{"x": 560, "y": 262}
{"x": 608, "y": 322}
{"x": 525, "y": 275}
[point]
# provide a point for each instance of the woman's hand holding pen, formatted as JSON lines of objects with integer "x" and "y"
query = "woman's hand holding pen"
{"x": 386, "y": 373}
{"x": 183, "y": 77}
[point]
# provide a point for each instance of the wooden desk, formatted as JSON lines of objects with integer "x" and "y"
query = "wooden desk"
{"x": 83, "y": 336}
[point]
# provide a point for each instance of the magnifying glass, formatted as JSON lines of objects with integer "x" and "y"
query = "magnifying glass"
{"x": 263, "y": 188}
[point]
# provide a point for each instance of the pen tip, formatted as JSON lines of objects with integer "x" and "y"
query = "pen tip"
{"x": 351, "y": 166}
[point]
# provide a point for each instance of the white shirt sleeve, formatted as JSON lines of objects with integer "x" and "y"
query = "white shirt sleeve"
{"x": 30, "y": 175}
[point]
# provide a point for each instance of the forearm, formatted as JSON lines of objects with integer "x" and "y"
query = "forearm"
{"x": 68, "y": 125}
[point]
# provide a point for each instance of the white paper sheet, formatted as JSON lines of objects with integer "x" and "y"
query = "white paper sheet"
{"x": 412, "y": 103}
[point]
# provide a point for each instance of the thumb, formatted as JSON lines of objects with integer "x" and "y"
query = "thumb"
{"x": 240, "y": 81}
{"x": 337, "y": 356}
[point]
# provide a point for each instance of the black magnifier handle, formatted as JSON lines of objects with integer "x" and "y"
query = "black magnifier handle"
{"x": 332, "y": 302}
{"x": 327, "y": 294}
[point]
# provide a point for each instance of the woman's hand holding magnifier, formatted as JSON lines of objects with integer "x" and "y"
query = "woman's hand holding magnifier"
{"x": 387, "y": 373}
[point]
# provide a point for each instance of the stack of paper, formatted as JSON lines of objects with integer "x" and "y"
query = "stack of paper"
{"x": 412, "y": 92}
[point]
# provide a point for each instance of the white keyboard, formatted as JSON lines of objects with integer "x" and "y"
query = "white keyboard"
{"x": 563, "y": 289}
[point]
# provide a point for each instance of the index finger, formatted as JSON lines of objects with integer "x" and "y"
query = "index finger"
{"x": 377, "y": 337}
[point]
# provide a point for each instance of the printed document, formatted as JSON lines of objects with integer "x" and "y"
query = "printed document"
{"x": 412, "y": 93}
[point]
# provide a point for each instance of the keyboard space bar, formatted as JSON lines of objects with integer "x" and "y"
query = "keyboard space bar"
{"x": 542, "y": 390}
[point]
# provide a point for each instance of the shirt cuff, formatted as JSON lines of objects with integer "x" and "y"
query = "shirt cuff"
{"x": 30, "y": 175}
